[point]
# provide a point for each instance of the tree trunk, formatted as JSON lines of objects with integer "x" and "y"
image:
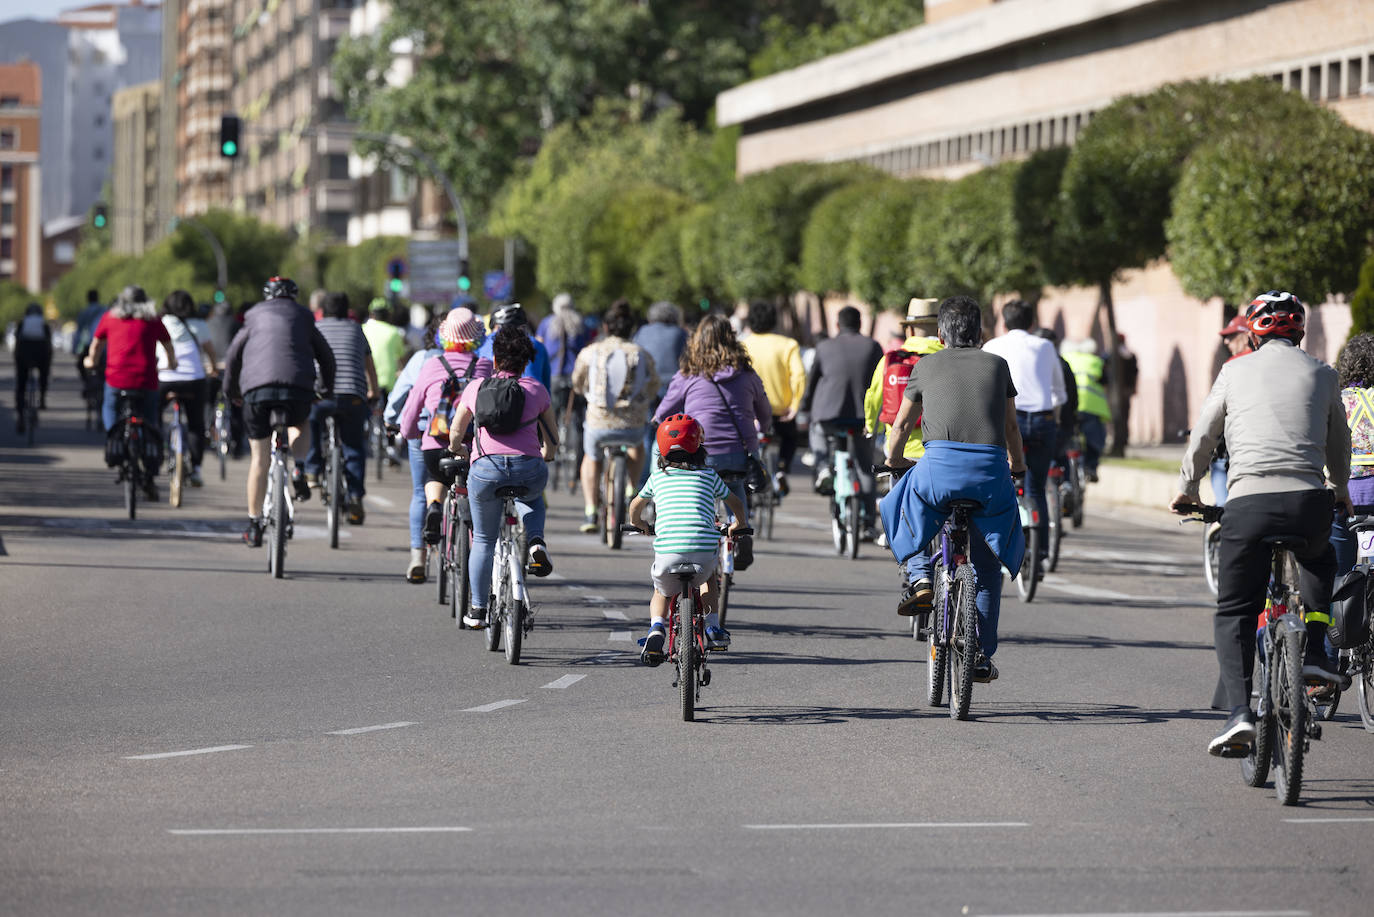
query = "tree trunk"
{"x": 1116, "y": 395}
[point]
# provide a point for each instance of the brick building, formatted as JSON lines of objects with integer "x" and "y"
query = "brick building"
{"x": 21, "y": 187}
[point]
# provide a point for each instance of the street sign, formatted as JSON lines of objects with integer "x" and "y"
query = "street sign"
{"x": 433, "y": 269}
{"x": 497, "y": 285}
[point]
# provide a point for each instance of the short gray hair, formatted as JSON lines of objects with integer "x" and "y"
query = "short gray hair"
{"x": 133, "y": 302}
{"x": 961, "y": 322}
{"x": 665, "y": 312}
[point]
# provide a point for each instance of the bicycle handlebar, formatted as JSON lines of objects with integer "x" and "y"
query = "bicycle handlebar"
{"x": 1198, "y": 512}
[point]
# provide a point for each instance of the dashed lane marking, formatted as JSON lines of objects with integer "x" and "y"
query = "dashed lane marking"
{"x": 614, "y": 615}
{"x": 859, "y": 826}
{"x": 186, "y": 753}
{"x": 221, "y": 832}
{"x": 380, "y": 501}
{"x": 566, "y": 681}
{"x": 488, "y": 708}
{"x": 361, "y": 729}
{"x": 1168, "y": 914}
{"x": 1327, "y": 821}
{"x": 622, "y": 635}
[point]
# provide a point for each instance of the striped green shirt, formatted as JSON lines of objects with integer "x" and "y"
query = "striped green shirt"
{"x": 685, "y": 508}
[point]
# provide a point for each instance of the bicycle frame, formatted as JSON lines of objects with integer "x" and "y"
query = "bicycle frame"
{"x": 507, "y": 554}
{"x": 953, "y": 554}
{"x": 696, "y": 609}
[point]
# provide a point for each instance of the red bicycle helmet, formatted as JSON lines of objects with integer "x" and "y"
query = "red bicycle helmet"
{"x": 1276, "y": 314}
{"x": 678, "y": 433}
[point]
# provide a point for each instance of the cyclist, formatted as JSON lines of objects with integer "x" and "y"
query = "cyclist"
{"x": 191, "y": 341}
{"x": 396, "y": 402}
{"x": 86, "y": 320}
{"x": 836, "y": 388}
{"x": 684, "y": 491}
{"x": 388, "y": 345}
{"x": 662, "y": 335}
{"x": 1236, "y": 338}
{"x": 563, "y": 332}
{"x": 505, "y": 401}
{"x": 1040, "y": 395}
{"x": 355, "y": 386}
{"x": 32, "y": 347}
{"x": 618, "y": 380}
{"x": 272, "y": 361}
{"x": 966, "y": 401}
{"x": 1094, "y": 412}
{"x": 717, "y": 385}
{"x": 1067, "y": 421}
{"x": 1284, "y": 421}
{"x": 777, "y": 360}
{"x": 514, "y": 314}
{"x": 456, "y": 363}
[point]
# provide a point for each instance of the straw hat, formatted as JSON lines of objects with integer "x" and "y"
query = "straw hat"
{"x": 921, "y": 311}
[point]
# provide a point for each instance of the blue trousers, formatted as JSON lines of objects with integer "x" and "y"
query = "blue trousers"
{"x": 417, "y": 492}
{"x": 147, "y": 409}
{"x": 350, "y": 416}
{"x": 1219, "y": 481}
{"x": 1094, "y": 439}
{"x": 487, "y": 474}
{"x": 1037, "y": 438}
{"x": 733, "y": 461}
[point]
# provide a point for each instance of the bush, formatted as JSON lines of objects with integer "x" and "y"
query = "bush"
{"x": 697, "y": 246}
{"x": 14, "y": 299}
{"x": 1275, "y": 209}
{"x": 360, "y": 270}
{"x": 1362, "y": 303}
{"x": 1038, "y": 212}
{"x": 659, "y": 266}
{"x": 824, "y": 267}
{"x": 879, "y": 258}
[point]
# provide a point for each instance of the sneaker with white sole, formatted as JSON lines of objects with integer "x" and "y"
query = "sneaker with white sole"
{"x": 717, "y": 638}
{"x": 916, "y": 597}
{"x": 476, "y": 618}
{"x": 415, "y": 571}
{"x": 652, "y": 653}
{"x": 538, "y": 563}
{"x": 1237, "y": 739}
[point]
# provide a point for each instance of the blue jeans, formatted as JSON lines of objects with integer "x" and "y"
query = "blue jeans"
{"x": 733, "y": 461}
{"x": 1219, "y": 481}
{"x": 146, "y": 408}
{"x": 417, "y": 493}
{"x": 1094, "y": 440}
{"x": 487, "y": 474}
{"x": 1037, "y": 438}
{"x": 350, "y": 417}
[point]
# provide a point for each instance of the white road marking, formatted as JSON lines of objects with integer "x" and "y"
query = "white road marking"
{"x": 614, "y": 615}
{"x": 212, "y": 832}
{"x": 380, "y": 501}
{"x": 801, "y": 522}
{"x": 622, "y": 635}
{"x": 911, "y": 824}
{"x": 488, "y": 708}
{"x": 1168, "y": 914}
{"x": 182, "y": 754}
{"x": 1057, "y": 583}
{"x": 361, "y": 729}
{"x": 597, "y": 599}
{"x": 566, "y": 681}
{"x": 1325, "y": 821}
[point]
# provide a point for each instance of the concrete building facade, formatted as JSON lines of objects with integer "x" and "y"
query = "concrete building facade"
{"x": 21, "y": 185}
{"x": 135, "y": 222}
{"x": 197, "y": 67}
{"x": 294, "y": 169}
{"x": 984, "y": 81}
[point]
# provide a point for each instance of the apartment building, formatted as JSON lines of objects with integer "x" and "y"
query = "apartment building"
{"x": 294, "y": 168}
{"x": 21, "y": 256}
{"x": 196, "y": 50}
{"x": 135, "y": 221}
{"x": 985, "y": 81}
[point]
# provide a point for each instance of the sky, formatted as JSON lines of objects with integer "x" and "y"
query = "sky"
{"x": 38, "y": 9}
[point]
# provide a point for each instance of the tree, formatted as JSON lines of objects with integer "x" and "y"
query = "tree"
{"x": 14, "y": 299}
{"x": 1275, "y": 208}
{"x": 1362, "y": 303}
{"x": 659, "y": 265}
{"x": 1038, "y": 212}
{"x": 837, "y": 26}
{"x": 879, "y": 257}
{"x": 697, "y": 243}
{"x": 823, "y": 266}
{"x": 360, "y": 270}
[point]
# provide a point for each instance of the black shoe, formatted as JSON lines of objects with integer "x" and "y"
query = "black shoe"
{"x": 538, "y": 562}
{"x": 916, "y": 597}
{"x": 984, "y": 671}
{"x": 356, "y": 513}
{"x": 1237, "y": 739}
{"x": 652, "y": 654}
{"x": 744, "y": 552}
{"x": 301, "y": 485}
{"x": 1092, "y": 477}
{"x": 783, "y": 487}
{"x": 1318, "y": 668}
{"x": 434, "y": 520}
{"x": 476, "y": 618}
{"x": 252, "y": 535}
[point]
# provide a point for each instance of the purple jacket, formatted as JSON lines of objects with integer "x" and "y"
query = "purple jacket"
{"x": 429, "y": 386}
{"x": 726, "y": 420}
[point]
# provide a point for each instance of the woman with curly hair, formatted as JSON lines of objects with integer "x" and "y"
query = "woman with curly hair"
{"x": 717, "y": 385}
{"x": 1355, "y": 371}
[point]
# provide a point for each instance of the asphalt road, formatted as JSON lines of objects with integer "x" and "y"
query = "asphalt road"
{"x": 179, "y": 733}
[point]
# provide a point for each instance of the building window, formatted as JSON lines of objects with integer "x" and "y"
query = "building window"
{"x": 1333, "y": 80}
{"x": 9, "y": 101}
{"x": 6, "y": 214}
{"x": 1353, "y": 79}
{"x": 1314, "y": 82}
{"x": 6, "y": 178}
{"x": 6, "y": 249}
{"x": 9, "y": 138}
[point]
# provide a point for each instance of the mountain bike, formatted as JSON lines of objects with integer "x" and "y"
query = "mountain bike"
{"x": 221, "y": 432}
{"x": 1028, "y": 576}
{"x": 278, "y": 509}
{"x": 331, "y": 472}
{"x": 1055, "y": 513}
{"x": 846, "y": 506}
{"x": 33, "y": 399}
{"x": 455, "y": 539}
{"x": 614, "y": 491}
{"x": 136, "y": 449}
{"x": 178, "y": 452}
{"x": 566, "y": 462}
{"x": 509, "y": 617}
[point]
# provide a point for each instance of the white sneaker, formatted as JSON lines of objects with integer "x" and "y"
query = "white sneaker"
{"x": 415, "y": 572}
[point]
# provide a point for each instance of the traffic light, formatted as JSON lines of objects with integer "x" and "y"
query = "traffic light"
{"x": 464, "y": 281}
{"x": 229, "y": 136}
{"x": 219, "y": 296}
{"x": 101, "y": 218}
{"x": 395, "y": 269}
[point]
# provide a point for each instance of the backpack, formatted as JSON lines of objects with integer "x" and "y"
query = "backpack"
{"x": 443, "y": 411}
{"x": 897, "y": 367}
{"x": 616, "y": 382}
{"x": 499, "y": 405}
{"x": 1350, "y": 605}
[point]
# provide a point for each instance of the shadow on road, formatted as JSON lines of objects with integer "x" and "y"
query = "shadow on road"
{"x": 1083, "y": 714}
{"x": 1084, "y": 641}
{"x": 801, "y": 716}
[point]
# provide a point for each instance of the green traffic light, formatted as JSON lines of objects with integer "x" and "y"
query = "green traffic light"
{"x": 464, "y": 282}
{"x": 219, "y": 296}
{"x": 705, "y": 304}
{"x": 99, "y": 222}
{"x": 396, "y": 284}
{"x": 229, "y": 148}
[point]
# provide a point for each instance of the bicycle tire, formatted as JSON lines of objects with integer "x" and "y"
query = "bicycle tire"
{"x": 462, "y": 589}
{"x": 445, "y": 547}
{"x": 964, "y": 648}
{"x": 1026, "y": 580}
{"x": 279, "y": 514}
{"x": 513, "y": 626}
{"x": 726, "y": 581}
{"x": 1080, "y": 491}
{"x": 616, "y": 502}
{"x": 853, "y": 523}
{"x": 1254, "y": 767}
{"x": 1290, "y": 716}
{"x": 837, "y": 529}
{"x": 336, "y": 486}
{"x": 1211, "y": 556}
{"x": 937, "y": 653}
{"x": 1056, "y": 530}
{"x": 378, "y": 444}
{"x": 174, "y": 486}
{"x": 131, "y": 489}
{"x": 495, "y": 602}
{"x": 687, "y": 659}
{"x": 1362, "y": 676}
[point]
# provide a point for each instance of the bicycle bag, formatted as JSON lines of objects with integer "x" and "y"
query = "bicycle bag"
{"x": 499, "y": 405}
{"x": 448, "y": 396}
{"x": 897, "y": 367}
{"x": 114, "y": 445}
{"x": 1350, "y": 607}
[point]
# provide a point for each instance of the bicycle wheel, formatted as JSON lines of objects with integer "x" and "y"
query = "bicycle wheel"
{"x": 445, "y": 550}
{"x": 1290, "y": 715}
{"x": 378, "y": 431}
{"x": 131, "y": 487}
{"x": 278, "y": 528}
{"x": 177, "y": 448}
{"x": 1080, "y": 492}
{"x": 1211, "y": 555}
{"x": 937, "y": 651}
{"x": 687, "y": 659}
{"x": 458, "y": 568}
{"x": 837, "y": 528}
{"x": 513, "y": 625}
{"x": 963, "y": 648}
{"x": 336, "y": 487}
{"x": 1056, "y": 519}
{"x": 1362, "y": 673}
{"x": 1026, "y": 580}
{"x": 496, "y": 602}
{"x": 726, "y": 581}
{"x": 853, "y": 524}
{"x": 615, "y": 502}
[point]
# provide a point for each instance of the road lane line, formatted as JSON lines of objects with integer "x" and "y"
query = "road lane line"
{"x": 1326, "y": 821}
{"x": 597, "y": 599}
{"x": 622, "y": 635}
{"x": 488, "y": 708}
{"x": 614, "y": 615}
{"x": 220, "y": 832}
{"x": 853, "y": 826}
{"x": 1058, "y": 583}
{"x": 1166, "y": 914}
{"x": 802, "y": 522}
{"x": 361, "y": 729}
{"x": 380, "y": 501}
{"x": 566, "y": 681}
{"x": 183, "y": 754}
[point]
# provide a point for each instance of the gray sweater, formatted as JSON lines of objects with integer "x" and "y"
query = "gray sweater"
{"x": 279, "y": 345}
{"x": 1281, "y": 413}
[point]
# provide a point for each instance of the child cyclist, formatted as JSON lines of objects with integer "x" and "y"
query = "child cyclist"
{"x": 684, "y": 493}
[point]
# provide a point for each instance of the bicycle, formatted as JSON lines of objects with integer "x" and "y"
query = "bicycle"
{"x": 378, "y": 441}
{"x": 135, "y": 441}
{"x": 566, "y": 462}
{"x": 1028, "y": 576}
{"x": 1055, "y": 514}
{"x": 278, "y": 508}
{"x": 687, "y": 648}
{"x": 509, "y": 616}
{"x": 1358, "y": 661}
{"x": 33, "y": 396}
{"x": 455, "y": 539}
{"x": 763, "y": 501}
{"x": 1211, "y": 555}
{"x": 1074, "y": 485}
{"x": 1286, "y": 721}
{"x": 178, "y": 454}
{"x": 615, "y": 484}
{"x": 221, "y": 432}
{"x": 331, "y": 472}
{"x": 725, "y": 568}
{"x": 846, "y": 507}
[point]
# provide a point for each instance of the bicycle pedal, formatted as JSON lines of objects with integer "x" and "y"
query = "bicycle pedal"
{"x": 1314, "y": 731}
{"x": 705, "y": 677}
{"x": 1235, "y": 750}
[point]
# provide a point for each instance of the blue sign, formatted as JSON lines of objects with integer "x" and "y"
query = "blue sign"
{"x": 497, "y": 285}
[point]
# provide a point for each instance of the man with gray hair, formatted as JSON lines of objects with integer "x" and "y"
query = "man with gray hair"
{"x": 664, "y": 338}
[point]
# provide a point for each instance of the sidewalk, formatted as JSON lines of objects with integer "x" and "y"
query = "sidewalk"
{"x": 1146, "y": 477}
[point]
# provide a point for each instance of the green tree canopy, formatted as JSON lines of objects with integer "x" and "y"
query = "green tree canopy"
{"x": 1362, "y": 303}
{"x": 659, "y": 265}
{"x": 824, "y": 266}
{"x": 1275, "y": 208}
{"x": 837, "y": 25}
{"x": 697, "y": 241}
{"x": 879, "y": 255}
{"x": 1037, "y": 209}
{"x": 360, "y": 270}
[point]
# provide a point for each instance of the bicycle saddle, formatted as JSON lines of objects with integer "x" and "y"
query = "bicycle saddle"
{"x": 509, "y": 490}
{"x": 451, "y": 466}
{"x": 684, "y": 570}
{"x": 729, "y": 476}
{"x": 1285, "y": 541}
